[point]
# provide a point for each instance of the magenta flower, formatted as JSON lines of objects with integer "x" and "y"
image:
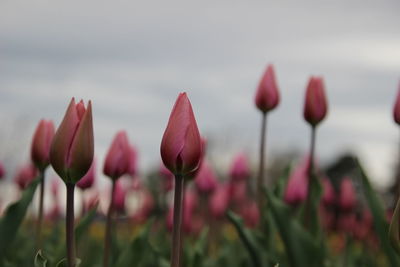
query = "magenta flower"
{"x": 315, "y": 106}
{"x": 41, "y": 142}
{"x": 88, "y": 180}
{"x": 396, "y": 108}
{"x": 219, "y": 201}
{"x": 117, "y": 161}
{"x": 181, "y": 144}
{"x": 240, "y": 169}
{"x": 132, "y": 166}
{"x": 297, "y": 186}
{"x": 71, "y": 152}
{"x": 250, "y": 213}
{"x": 328, "y": 196}
{"x": 206, "y": 180}
{"x": 119, "y": 197}
{"x": 267, "y": 95}
{"x": 25, "y": 175}
{"x": 347, "y": 199}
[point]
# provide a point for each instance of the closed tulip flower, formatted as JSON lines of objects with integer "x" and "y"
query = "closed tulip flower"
{"x": 41, "y": 143}
{"x": 347, "y": 200}
{"x": 297, "y": 187}
{"x": 219, "y": 201}
{"x": 117, "y": 161}
{"x": 25, "y": 175}
{"x": 132, "y": 168}
{"x": 71, "y": 152}
{"x": 88, "y": 180}
{"x": 267, "y": 95}
{"x": 181, "y": 144}
{"x": 328, "y": 196}
{"x": 206, "y": 180}
{"x": 240, "y": 168}
{"x": 396, "y": 109}
{"x": 315, "y": 106}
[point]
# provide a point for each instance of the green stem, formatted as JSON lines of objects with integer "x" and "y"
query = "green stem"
{"x": 177, "y": 222}
{"x": 70, "y": 225}
{"x": 260, "y": 177}
{"x": 107, "y": 238}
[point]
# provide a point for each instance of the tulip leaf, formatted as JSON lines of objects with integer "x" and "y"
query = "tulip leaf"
{"x": 13, "y": 218}
{"x": 63, "y": 263}
{"x": 394, "y": 228}
{"x": 380, "y": 224}
{"x": 85, "y": 223}
{"x": 40, "y": 261}
{"x": 197, "y": 255}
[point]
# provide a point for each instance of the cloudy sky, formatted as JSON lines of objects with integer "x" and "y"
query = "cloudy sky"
{"x": 132, "y": 59}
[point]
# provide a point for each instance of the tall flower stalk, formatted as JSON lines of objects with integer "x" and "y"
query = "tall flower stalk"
{"x": 181, "y": 152}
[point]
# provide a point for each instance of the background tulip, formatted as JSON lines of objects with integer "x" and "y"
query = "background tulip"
{"x": 118, "y": 159}
{"x": 25, "y": 175}
{"x": 267, "y": 95}
{"x": 41, "y": 143}
{"x": 240, "y": 168}
{"x": 88, "y": 180}
{"x": 347, "y": 199}
{"x": 297, "y": 186}
{"x": 206, "y": 180}
{"x": 219, "y": 201}
{"x": 315, "y": 106}
{"x": 396, "y": 108}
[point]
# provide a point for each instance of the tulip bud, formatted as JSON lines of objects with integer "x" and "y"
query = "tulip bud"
{"x": 132, "y": 166}
{"x": 41, "y": 143}
{"x": 328, "y": 196}
{"x": 87, "y": 181}
{"x": 347, "y": 200}
{"x": 315, "y": 107}
{"x": 25, "y": 176}
{"x": 267, "y": 95}
{"x": 117, "y": 161}
{"x": 219, "y": 201}
{"x": 71, "y": 152}
{"x": 205, "y": 180}
{"x": 250, "y": 213}
{"x": 297, "y": 187}
{"x": 181, "y": 144}
{"x": 237, "y": 191}
{"x": 240, "y": 169}
{"x": 396, "y": 109}
{"x": 2, "y": 171}
{"x": 119, "y": 198}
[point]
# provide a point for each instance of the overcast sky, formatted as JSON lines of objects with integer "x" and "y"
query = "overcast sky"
{"x": 132, "y": 59}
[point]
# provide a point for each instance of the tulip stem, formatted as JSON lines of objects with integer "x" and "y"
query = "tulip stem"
{"x": 260, "y": 178}
{"x": 311, "y": 180}
{"x": 40, "y": 215}
{"x": 70, "y": 225}
{"x": 107, "y": 238}
{"x": 177, "y": 222}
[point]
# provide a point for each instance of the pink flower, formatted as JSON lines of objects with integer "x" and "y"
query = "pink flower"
{"x": 297, "y": 186}
{"x": 168, "y": 178}
{"x": 72, "y": 148}
{"x": 315, "y": 106}
{"x": 2, "y": 170}
{"x": 25, "y": 176}
{"x": 87, "y": 181}
{"x": 206, "y": 180}
{"x": 119, "y": 197}
{"x": 240, "y": 169}
{"x": 267, "y": 95}
{"x": 328, "y": 196}
{"x": 396, "y": 109}
{"x": 250, "y": 213}
{"x": 219, "y": 201}
{"x": 347, "y": 200}
{"x": 41, "y": 142}
{"x": 132, "y": 166}
{"x": 181, "y": 144}
{"x": 117, "y": 161}
{"x": 237, "y": 191}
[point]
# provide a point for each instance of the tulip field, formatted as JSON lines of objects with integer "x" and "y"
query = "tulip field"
{"x": 187, "y": 213}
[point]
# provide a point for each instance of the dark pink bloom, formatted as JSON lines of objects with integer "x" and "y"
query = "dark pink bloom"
{"x": 168, "y": 178}
{"x": 297, "y": 186}
{"x": 41, "y": 142}
{"x": 206, "y": 180}
{"x": 2, "y": 170}
{"x": 25, "y": 175}
{"x": 132, "y": 166}
{"x": 328, "y": 196}
{"x": 87, "y": 181}
{"x": 237, "y": 191}
{"x": 315, "y": 105}
{"x": 181, "y": 144}
{"x": 71, "y": 152}
{"x": 117, "y": 161}
{"x": 240, "y": 168}
{"x": 219, "y": 201}
{"x": 119, "y": 197}
{"x": 396, "y": 108}
{"x": 250, "y": 213}
{"x": 267, "y": 95}
{"x": 347, "y": 200}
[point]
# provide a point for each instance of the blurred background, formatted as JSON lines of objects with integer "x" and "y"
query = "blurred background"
{"x": 132, "y": 59}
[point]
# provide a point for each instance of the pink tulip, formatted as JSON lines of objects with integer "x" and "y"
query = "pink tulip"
{"x": 2, "y": 170}
{"x": 168, "y": 178}
{"x": 364, "y": 226}
{"x": 206, "y": 180}
{"x": 250, "y": 213}
{"x": 347, "y": 200}
{"x": 297, "y": 186}
{"x": 72, "y": 148}
{"x": 181, "y": 144}
{"x": 347, "y": 222}
{"x": 117, "y": 161}
{"x": 25, "y": 175}
{"x": 267, "y": 96}
{"x": 87, "y": 181}
{"x": 41, "y": 142}
{"x": 219, "y": 201}
{"x": 396, "y": 109}
{"x": 119, "y": 198}
{"x": 132, "y": 166}
{"x": 237, "y": 191}
{"x": 328, "y": 196}
{"x": 240, "y": 168}
{"x": 315, "y": 106}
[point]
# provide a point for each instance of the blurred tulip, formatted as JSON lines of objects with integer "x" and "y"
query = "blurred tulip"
{"x": 364, "y": 226}
{"x": 168, "y": 178}
{"x": 55, "y": 188}
{"x": 205, "y": 180}
{"x": 347, "y": 222}
{"x": 240, "y": 168}
{"x": 328, "y": 196}
{"x": 119, "y": 198}
{"x": 25, "y": 175}
{"x": 250, "y": 213}
{"x": 267, "y": 95}
{"x": 2, "y": 170}
{"x": 181, "y": 149}
{"x": 347, "y": 199}
{"x": 219, "y": 201}
{"x": 315, "y": 106}
{"x": 132, "y": 166}
{"x": 396, "y": 109}
{"x": 41, "y": 142}
{"x": 71, "y": 152}
{"x": 92, "y": 201}
{"x": 118, "y": 159}
{"x": 88, "y": 180}
{"x": 237, "y": 191}
{"x": 297, "y": 185}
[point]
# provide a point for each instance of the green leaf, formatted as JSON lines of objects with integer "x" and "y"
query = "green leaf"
{"x": 40, "y": 261}
{"x": 13, "y": 217}
{"x": 380, "y": 224}
{"x": 63, "y": 263}
{"x": 394, "y": 228}
{"x": 85, "y": 223}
